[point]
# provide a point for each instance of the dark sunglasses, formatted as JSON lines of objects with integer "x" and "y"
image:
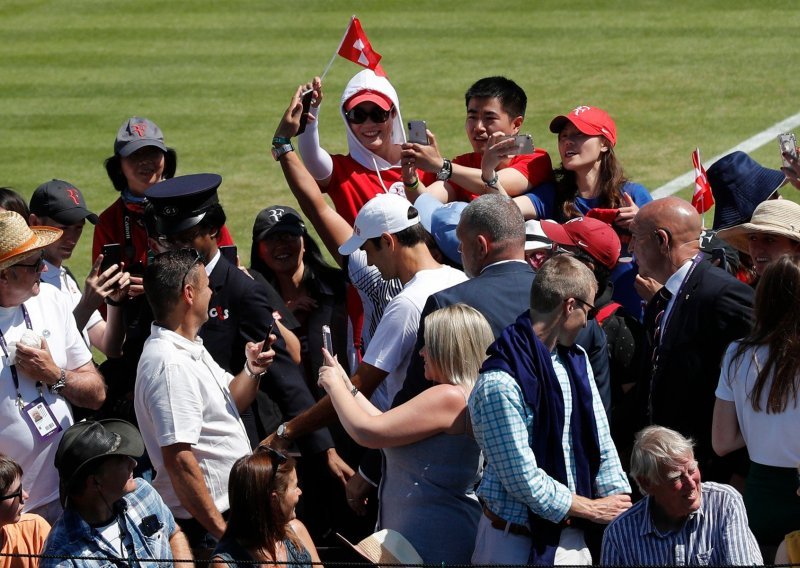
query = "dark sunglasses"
{"x": 359, "y": 116}
{"x": 592, "y": 313}
{"x": 277, "y": 458}
{"x": 37, "y": 266}
{"x": 17, "y": 493}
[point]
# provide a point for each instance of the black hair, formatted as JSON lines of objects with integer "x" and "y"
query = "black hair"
{"x": 410, "y": 236}
{"x": 511, "y": 96}
{"x": 11, "y": 200}
{"x": 113, "y": 167}
{"x": 164, "y": 278}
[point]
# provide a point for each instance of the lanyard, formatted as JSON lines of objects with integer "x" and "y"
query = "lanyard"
{"x": 668, "y": 317}
{"x": 13, "y": 368}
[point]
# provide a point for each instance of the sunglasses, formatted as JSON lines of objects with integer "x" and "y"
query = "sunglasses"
{"x": 37, "y": 266}
{"x": 188, "y": 252}
{"x": 592, "y": 313}
{"x": 358, "y": 115}
{"x": 277, "y": 458}
{"x": 17, "y": 493}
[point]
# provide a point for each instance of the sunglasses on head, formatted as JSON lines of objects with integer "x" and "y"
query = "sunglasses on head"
{"x": 358, "y": 115}
{"x": 277, "y": 458}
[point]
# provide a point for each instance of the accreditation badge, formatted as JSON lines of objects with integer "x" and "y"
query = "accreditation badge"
{"x": 41, "y": 419}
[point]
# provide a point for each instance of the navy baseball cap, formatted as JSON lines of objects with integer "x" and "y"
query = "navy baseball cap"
{"x": 137, "y": 133}
{"x": 181, "y": 203}
{"x": 62, "y": 202}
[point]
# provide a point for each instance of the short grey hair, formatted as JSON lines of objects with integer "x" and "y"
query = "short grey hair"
{"x": 495, "y": 216}
{"x": 656, "y": 450}
{"x": 560, "y": 278}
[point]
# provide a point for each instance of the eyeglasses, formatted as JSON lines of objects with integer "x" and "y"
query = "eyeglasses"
{"x": 37, "y": 266}
{"x": 358, "y": 115}
{"x": 277, "y": 458}
{"x": 17, "y": 493}
{"x": 592, "y": 313}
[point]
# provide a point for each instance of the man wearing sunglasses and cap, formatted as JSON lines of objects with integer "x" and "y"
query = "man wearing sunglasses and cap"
{"x": 46, "y": 366}
{"x": 109, "y": 516}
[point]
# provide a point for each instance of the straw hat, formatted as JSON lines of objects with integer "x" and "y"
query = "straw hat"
{"x": 386, "y": 547}
{"x": 775, "y": 217}
{"x": 17, "y": 239}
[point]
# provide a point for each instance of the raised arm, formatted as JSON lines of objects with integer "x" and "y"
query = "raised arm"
{"x": 317, "y": 160}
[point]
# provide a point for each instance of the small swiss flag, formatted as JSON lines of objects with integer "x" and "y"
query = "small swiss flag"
{"x": 702, "y": 199}
{"x": 356, "y": 47}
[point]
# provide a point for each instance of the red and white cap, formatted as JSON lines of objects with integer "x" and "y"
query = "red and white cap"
{"x": 596, "y": 238}
{"x": 384, "y": 213}
{"x": 367, "y": 96}
{"x": 592, "y": 121}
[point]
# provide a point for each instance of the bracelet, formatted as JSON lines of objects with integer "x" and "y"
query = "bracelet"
{"x": 250, "y": 372}
{"x": 280, "y": 140}
{"x": 446, "y": 172}
{"x": 492, "y": 183}
{"x": 111, "y": 302}
{"x": 412, "y": 186}
{"x": 59, "y": 385}
{"x": 354, "y": 391}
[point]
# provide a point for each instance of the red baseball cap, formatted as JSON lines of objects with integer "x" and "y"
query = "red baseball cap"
{"x": 367, "y": 96}
{"x": 592, "y": 121}
{"x": 598, "y": 239}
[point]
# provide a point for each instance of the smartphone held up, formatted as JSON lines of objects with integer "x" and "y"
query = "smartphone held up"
{"x": 418, "y": 132}
{"x": 788, "y": 145}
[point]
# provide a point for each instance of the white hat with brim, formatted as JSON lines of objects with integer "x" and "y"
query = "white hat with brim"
{"x": 384, "y": 213}
{"x": 774, "y": 217}
{"x": 18, "y": 240}
{"x": 385, "y": 548}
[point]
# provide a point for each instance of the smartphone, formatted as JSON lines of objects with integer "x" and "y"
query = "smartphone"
{"x": 418, "y": 132}
{"x": 788, "y": 145}
{"x": 112, "y": 254}
{"x": 523, "y": 144}
{"x": 718, "y": 256}
{"x": 230, "y": 252}
{"x": 327, "y": 341}
{"x": 306, "y": 107}
{"x": 267, "y": 343}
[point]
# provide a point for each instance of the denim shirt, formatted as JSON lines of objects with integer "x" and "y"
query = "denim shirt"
{"x": 142, "y": 514}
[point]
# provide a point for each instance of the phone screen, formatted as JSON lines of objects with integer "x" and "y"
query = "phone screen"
{"x": 230, "y": 252}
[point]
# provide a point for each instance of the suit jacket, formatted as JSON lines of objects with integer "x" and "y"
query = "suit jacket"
{"x": 713, "y": 309}
{"x": 239, "y": 311}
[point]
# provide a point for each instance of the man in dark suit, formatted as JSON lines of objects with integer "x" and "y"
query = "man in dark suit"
{"x": 186, "y": 214}
{"x": 689, "y": 324}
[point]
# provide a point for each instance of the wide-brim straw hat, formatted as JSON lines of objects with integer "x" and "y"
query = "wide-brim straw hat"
{"x": 775, "y": 217}
{"x": 17, "y": 239}
{"x": 385, "y": 548}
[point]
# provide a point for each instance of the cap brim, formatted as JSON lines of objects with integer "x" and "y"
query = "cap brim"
{"x": 74, "y": 215}
{"x": 351, "y": 245}
{"x": 558, "y": 123}
{"x": 134, "y": 145}
{"x": 426, "y": 204}
{"x": 556, "y": 233}
{"x": 368, "y": 97}
{"x": 291, "y": 229}
{"x": 169, "y": 227}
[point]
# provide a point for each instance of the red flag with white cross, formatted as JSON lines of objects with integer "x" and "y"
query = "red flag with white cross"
{"x": 356, "y": 47}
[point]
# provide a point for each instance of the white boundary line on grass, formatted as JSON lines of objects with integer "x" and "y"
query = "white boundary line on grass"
{"x": 748, "y": 145}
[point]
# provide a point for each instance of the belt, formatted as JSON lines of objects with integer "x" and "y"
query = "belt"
{"x": 501, "y": 524}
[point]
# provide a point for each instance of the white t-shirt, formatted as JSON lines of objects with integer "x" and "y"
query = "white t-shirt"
{"x": 67, "y": 286}
{"x": 51, "y": 318}
{"x": 394, "y": 339}
{"x": 771, "y": 439}
{"x": 183, "y": 396}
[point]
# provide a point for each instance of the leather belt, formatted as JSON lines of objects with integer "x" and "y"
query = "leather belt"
{"x": 501, "y": 524}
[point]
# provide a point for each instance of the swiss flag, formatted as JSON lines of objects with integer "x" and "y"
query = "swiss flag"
{"x": 356, "y": 47}
{"x": 703, "y": 199}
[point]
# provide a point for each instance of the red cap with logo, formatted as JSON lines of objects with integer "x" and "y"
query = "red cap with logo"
{"x": 598, "y": 239}
{"x": 592, "y": 121}
{"x": 368, "y": 96}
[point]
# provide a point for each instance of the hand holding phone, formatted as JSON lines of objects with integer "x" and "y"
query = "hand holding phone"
{"x": 327, "y": 341}
{"x": 788, "y": 145}
{"x": 267, "y": 341}
{"x": 523, "y": 144}
{"x": 306, "y": 100}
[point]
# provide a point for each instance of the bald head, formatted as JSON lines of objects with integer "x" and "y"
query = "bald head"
{"x": 665, "y": 233}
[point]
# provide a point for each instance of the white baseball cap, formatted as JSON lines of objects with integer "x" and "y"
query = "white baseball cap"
{"x": 384, "y": 213}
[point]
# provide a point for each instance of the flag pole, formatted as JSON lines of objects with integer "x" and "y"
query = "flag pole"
{"x": 703, "y": 195}
{"x": 336, "y": 52}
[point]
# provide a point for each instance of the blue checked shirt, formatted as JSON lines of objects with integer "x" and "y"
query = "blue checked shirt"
{"x": 146, "y": 519}
{"x": 512, "y": 481}
{"x": 716, "y": 534}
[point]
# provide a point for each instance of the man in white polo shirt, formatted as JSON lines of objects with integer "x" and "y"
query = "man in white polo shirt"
{"x": 187, "y": 406}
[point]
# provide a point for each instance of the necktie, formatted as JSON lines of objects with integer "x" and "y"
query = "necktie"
{"x": 661, "y": 300}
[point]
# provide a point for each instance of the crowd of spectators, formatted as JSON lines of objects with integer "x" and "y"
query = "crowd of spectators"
{"x": 509, "y": 363}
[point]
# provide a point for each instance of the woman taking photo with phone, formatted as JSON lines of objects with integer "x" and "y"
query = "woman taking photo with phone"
{"x": 262, "y": 525}
{"x": 591, "y": 182}
{"x": 431, "y": 462}
{"x": 757, "y": 404}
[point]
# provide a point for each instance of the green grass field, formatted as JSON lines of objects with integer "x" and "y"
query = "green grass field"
{"x": 216, "y": 76}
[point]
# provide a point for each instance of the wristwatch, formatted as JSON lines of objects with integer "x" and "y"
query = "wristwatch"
{"x": 446, "y": 172}
{"x": 280, "y": 150}
{"x": 281, "y": 433}
{"x": 59, "y": 385}
{"x": 492, "y": 183}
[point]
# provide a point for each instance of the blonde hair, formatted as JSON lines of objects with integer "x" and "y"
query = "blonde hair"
{"x": 456, "y": 338}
